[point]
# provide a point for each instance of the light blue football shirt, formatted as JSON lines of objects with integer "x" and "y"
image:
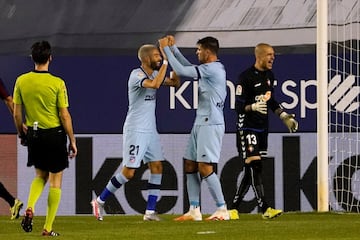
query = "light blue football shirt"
{"x": 142, "y": 103}
{"x": 212, "y": 86}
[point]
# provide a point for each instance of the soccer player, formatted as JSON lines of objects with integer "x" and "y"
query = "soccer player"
{"x": 141, "y": 141}
{"x": 254, "y": 96}
{"x": 204, "y": 145}
{"x": 48, "y": 121}
{"x": 15, "y": 204}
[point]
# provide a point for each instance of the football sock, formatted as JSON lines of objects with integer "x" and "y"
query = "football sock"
{"x": 257, "y": 185}
{"x": 193, "y": 188}
{"x": 113, "y": 185}
{"x": 214, "y": 186}
{"x": 243, "y": 187}
{"x": 36, "y": 188}
{"x": 53, "y": 205}
{"x": 6, "y": 195}
{"x": 153, "y": 187}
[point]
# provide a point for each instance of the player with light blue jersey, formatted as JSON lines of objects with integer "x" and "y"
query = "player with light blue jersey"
{"x": 142, "y": 102}
{"x": 204, "y": 145}
{"x": 212, "y": 85}
{"x": 141, "y": 141}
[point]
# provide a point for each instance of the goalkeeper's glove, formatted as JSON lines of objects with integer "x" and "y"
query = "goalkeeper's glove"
{"x": 260, "y": 107}
{"x": 289, "y": 121}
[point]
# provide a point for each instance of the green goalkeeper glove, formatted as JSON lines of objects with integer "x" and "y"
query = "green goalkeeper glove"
{"x": 289, "y": 121}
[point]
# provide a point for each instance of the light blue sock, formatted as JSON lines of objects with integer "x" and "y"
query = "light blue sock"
{"x": 214, "y": 186}
{"x": 193, "y": 183}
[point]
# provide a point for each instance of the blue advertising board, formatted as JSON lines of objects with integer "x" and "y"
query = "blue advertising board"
{"x": 97, "y": 88}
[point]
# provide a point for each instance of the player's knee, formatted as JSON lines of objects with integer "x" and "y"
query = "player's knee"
{"x": 252, "y": 158}
{"x": 190, "y": 166}
{"x": 128, "y": 172}
{"x": 256, "y": 165}
{"x": 156, "y": 167}
{"x": 205, "y": 169}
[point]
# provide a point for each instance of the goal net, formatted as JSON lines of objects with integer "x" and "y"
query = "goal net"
{"x": 344, "y": 105}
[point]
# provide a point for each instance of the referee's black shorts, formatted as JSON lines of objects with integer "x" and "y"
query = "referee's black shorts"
{"x": 47, "y": 149}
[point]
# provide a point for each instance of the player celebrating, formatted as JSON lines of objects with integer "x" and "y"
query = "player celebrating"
{"x": 254, "y": 96}
{"x": 204, "y": 146}
{"x": 141, "y": 140}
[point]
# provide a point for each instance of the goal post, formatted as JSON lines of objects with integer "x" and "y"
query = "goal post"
{"x": 338, "y": 113}
{"x": 322, "y": 108}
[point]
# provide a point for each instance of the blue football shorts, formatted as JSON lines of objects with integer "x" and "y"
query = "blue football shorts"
{"x": 204, "y": 144}
{"x": 141, "y": 146}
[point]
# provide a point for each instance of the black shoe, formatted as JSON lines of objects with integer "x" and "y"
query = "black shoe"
{"x": 27, "y": 223}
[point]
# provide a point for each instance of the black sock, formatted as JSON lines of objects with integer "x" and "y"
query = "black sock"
{"x": 6, "y": 195}
{"x": 257, "y": 185}
{"x": 243, "y": 187}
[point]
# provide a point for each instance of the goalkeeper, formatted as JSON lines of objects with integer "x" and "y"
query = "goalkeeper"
{"x": 254, "y": 97}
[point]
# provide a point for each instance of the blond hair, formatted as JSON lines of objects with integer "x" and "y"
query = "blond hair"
{"x": 259, "y": 49}
{"x": 145, "y": 51}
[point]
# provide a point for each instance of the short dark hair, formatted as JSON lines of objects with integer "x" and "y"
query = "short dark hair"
{"x": 40, "y": 52}
{"x": 210, "y": 43}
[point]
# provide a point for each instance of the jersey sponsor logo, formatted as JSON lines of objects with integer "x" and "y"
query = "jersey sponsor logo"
{"x": 343, "y": 95}
{"x": 150, "y": 97}
{"x": 263, "y": 97}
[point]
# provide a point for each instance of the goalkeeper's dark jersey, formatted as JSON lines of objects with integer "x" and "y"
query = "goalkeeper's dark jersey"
{"x": 253, "y": 86}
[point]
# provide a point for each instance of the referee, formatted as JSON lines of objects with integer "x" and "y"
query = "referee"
{"x": 43, "y": 98}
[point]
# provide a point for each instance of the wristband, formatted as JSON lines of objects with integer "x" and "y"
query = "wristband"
{"x": 165, "y": 62}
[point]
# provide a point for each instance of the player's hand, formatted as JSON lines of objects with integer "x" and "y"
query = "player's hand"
{"x": 171, "y": 39}
{"x": 163, "y": 42}
{"x": 72, "y": 150}
{"x": 289, "y": 121}
{"x": 260, "y": 107}
{"x": 23, "y": 139}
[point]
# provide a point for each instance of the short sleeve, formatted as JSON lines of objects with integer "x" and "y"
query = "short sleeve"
{"x": 63, "y": 96}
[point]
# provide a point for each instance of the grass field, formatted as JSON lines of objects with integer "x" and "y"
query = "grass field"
{"x": 250, "y": 226}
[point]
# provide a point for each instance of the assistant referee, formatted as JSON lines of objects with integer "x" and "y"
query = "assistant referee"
{"x": 43, "y": 98}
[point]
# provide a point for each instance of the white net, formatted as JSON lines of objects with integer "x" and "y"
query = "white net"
{"x": 344, "y": 102}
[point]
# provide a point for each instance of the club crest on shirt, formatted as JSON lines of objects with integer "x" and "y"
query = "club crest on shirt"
{"x": 141, "y": 74}
{"x": 267, "y": 96}
{"x": 238, "y": 90}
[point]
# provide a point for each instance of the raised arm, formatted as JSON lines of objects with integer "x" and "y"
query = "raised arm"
{"x": 179, "y": 56}
{"x": 181, "y": 70}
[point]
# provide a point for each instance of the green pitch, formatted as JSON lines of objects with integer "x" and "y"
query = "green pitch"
{"x": 302, "y": 226}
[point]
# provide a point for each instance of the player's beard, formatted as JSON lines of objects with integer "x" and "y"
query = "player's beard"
{"x": 155, "y": 65}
